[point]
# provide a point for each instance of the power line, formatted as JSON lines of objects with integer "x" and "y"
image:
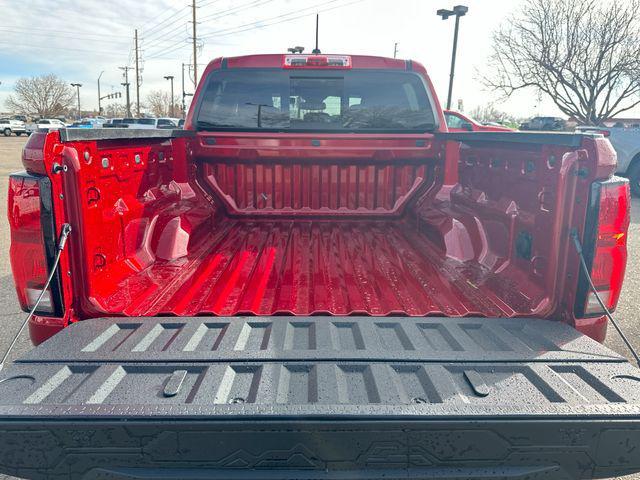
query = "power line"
{"x": 30, "y": 47}
{"x": 182, "y": 44}
{"x": 186, "y": 39}
{"x": 166, "y": 43}
{"x": 168, "y": 35}
{"x": 168, "y": 10}
{"x": 162, "y": 35}
{"x": 156, "y": 42}
{"x": 55, "y": 32}
{"x": 231, "y": 11}
{"x": 157, "y": 29}
{"x": 176, "y": 31}
{"x": 205, "y": 5}
{"x": 156, "y": 36}
{"x": 261, "y": 23}
{"x": 256, "y": 25}
{"x": 258, "y": 22}
{"x": 29, "y": 8}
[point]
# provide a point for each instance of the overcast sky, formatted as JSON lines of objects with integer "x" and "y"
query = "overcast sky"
{"x": 77, "y": 39}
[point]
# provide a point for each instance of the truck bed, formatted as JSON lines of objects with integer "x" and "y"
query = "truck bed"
{"x": 261, "y": 267}
{"x": 237, "y": 224}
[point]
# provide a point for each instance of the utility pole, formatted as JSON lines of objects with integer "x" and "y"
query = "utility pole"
{"x": 170, "y": 77}
{"x": 78, "y": 85}
{"x": 137, "y": 78}
{"x": 184, "y": 94}
{"x": 195, "y": 48}
{"x": 99, "y": 98}
{"x": 126, "y": 85}
{"x": 395, "y": 50}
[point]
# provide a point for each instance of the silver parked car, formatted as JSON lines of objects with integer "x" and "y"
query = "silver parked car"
{"x": 10, "y": 126}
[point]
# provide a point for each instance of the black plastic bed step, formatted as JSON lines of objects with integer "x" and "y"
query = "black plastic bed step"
{"x": 320, "y": 398}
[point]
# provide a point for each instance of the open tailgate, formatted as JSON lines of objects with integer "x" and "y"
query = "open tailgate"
{"x": 320, "y": 398}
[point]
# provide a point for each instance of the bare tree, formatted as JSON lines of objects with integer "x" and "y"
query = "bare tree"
{"x": 159, "y": 103}
{"x": 583, "y": 54}
{"x": 45, "y": 95}
{"x": 115, "y": 110}
{"x": 489, "y": 113}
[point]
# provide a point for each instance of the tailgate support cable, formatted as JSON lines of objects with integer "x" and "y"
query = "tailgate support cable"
{"x": 64, "y": 234}
{"x": 585, "y": 269}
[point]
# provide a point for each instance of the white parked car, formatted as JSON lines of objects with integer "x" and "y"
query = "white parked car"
{"x": 45, "y": 124}
{"x": 9, "y": 126}
{"x": 151, "y": 122}
{"x": 626, "y": 142}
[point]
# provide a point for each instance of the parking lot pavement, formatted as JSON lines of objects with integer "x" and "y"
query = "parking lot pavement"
{"x": 628, "y": 312}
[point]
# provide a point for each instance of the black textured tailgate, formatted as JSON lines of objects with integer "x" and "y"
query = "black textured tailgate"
{"x": 319, "y": 397}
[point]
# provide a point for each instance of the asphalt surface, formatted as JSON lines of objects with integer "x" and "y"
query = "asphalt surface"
{"x": 628, "y": 312}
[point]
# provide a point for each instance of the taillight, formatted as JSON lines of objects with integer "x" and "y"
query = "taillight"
{"x": 31, "y": 223}
{"x": 605, "y": 245}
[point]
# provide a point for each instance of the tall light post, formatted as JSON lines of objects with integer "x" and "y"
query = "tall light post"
{"x": 170, "y": 77}
{"x": 458, "y": 11}
{"x": 99, "y": 98}
{"x": 78, "y": 85}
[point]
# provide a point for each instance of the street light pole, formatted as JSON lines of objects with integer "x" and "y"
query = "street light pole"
{"x": 170, "y": 77}
{"x": 458, "y": 11}
{"x": 78, "y": 85}
{"x": 99, "y": 98}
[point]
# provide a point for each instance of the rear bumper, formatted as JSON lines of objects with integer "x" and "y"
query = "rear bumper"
{"x": 595, "y": 328}
{"x": 319, "y": 398}
{"x": 327, "y": 449}
{"x": 43, "y": 328}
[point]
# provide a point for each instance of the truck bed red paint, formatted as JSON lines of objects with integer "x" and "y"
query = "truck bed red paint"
{"x": 304, "y": 267}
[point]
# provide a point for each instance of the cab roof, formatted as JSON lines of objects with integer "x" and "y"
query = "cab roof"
{"x": 276, "y": 61}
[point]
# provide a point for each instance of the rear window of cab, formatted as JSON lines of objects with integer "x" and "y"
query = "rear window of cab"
{"x": 315, "y": 100}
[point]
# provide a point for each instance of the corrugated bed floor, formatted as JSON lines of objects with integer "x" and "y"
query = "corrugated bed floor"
{"x": 314, "y": 267}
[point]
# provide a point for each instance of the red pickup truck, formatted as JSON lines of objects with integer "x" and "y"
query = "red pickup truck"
{"x": 315, "y": 279}
{"x": 457, "y": 122}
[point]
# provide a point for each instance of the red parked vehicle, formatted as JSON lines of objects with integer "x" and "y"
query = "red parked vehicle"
{"x": 316, "y": 278}
{"x": 457, "y": 122}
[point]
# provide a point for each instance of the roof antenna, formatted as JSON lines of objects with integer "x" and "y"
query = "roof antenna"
{"x": 316, "y": 51}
